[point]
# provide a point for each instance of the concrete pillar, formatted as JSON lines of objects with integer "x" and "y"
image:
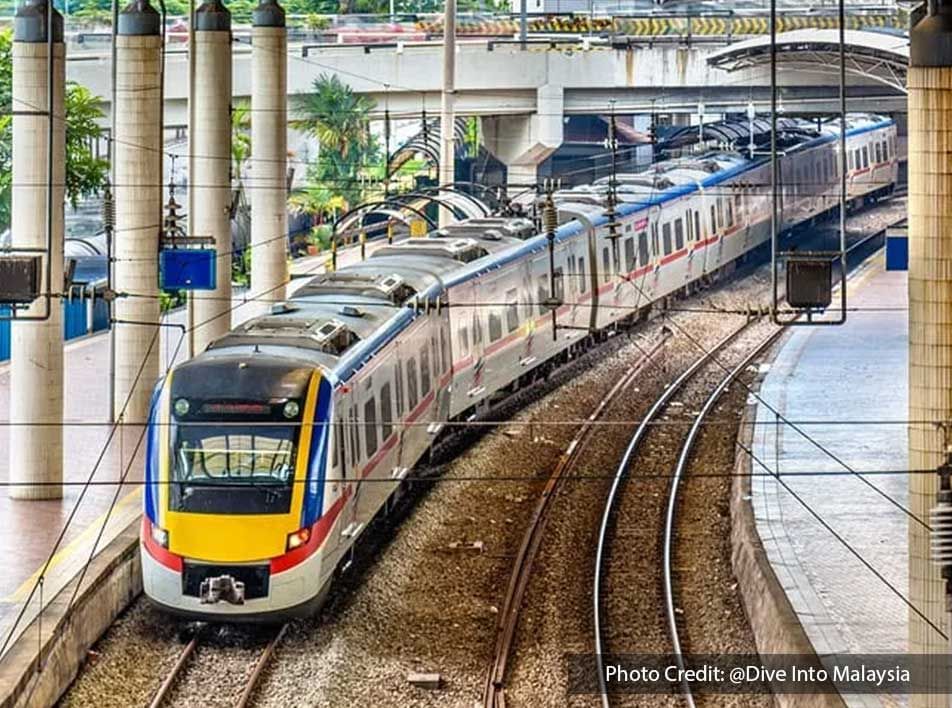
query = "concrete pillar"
{"x": 522, "y": 143}
{"x": 36, "y": 374}
{"x": 930, "y": 317}
{"x": 137, "y": 156}
{"x": 209, "y": 178}
{"x": 447, "y": 107}
{"x": 269, "y": 153}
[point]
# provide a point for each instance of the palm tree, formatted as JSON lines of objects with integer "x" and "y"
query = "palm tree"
{"x": 340, "y": 120}
{"x": 335, "y": 115}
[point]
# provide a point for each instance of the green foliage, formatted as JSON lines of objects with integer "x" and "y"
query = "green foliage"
{"x": 85, "y": 173}
{"x": 169, "y": 300}
{"x": 240, "y": 138}
{"x": 241, "y": 268}
{"x": 320, "y": 236}
{"x": 339, "y": 119}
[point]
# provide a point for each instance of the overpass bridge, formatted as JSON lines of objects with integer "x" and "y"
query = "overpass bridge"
{"x": 523, "y": 92}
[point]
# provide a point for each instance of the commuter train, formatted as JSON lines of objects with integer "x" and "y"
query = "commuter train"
{"x": 272, "y": 451}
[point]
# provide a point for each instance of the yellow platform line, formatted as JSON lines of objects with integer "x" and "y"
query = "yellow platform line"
{"x": 87, "y": 535}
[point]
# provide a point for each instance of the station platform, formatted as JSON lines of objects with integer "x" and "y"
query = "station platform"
{"x": 29, "y": 529}
{"x": 845, "y": 390}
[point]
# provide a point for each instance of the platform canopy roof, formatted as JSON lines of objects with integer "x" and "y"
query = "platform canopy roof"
{"x": 879, "y": 56}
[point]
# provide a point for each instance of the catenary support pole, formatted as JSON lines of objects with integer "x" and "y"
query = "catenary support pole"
{"x": 39, "y": 160}
{"x": 137, "y": 154}
{"x": 269, "y": 154}
{"x": 209, "y": 179}
{"x": 447, "y": 108}
{"x": 930, "y": 316}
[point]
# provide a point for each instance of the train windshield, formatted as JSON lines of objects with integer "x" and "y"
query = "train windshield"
{"x": 233, "y": 468}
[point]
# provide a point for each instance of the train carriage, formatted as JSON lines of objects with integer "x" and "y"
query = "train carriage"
{"x": 270, "y": 453}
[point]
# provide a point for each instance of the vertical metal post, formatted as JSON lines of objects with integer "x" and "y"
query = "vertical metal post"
{"x": 843, "y": 162}
{"x": 386, "y": 140}
{"x": 110, "y": 256}
{"x": 774, "y": 221}
{"x": 751, "y": 114}
{"x": 523, "y": 23}
{"x": 447, "y": 115}
{"x": 190, "y": 110}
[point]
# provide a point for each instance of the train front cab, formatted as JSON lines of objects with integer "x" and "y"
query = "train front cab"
{"x": 235, "y": 526}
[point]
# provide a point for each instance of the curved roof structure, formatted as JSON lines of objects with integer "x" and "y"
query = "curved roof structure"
{"x": 879, "y": 56}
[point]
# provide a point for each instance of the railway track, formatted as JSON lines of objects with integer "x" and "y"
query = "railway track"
{"x": 494, "y": 693}
{"x": 639, "y": 454}
{"x": 163, "y": 695}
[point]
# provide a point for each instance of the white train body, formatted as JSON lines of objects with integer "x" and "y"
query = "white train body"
{"x": 432, "y": 329}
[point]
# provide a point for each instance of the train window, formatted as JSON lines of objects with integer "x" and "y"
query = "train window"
{"x": 582, "y": 276}
{"x": 512, "y": 310}
{"x": 495, "y": 326}
{"x": 463, "y": 339}
{"x": 559, "y": 285}
{"x": 444, "y": 352}
{"x": 678, "y": 234}
{"x": 713, "y": 220}
{"x": 687, "y": 222}
{"x": 865, "y": 156}
{"x": 666, "y": 238}
{"x": 424, "y": 373}
{"x": 885, "y": 150}
{"x": 542, "y": 293}
{"x": 643, "y": 248}
{"x": 879, "y": 152}
{"x": 606, "y": 265}
{"x": 629, "y": 255}
{"x": 354, "y": 440}
{"x": 571, "y": 265}
{"x": 737, "y": 205}
{"x": 398, "y": 377}
{"x": 412, "y": 395}
{"x": 386, "y": 413}
{"x": 338, "y": 443}
{"x": 370, "y": 427}
{"x": 721, "y": 224}
{"x": 697, "y": 225}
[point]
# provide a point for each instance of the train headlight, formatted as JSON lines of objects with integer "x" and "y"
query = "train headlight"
{"x": 160, "y": 536}
{"x": 298, "y": 538}
{"x": 291, "y": 409}
{"x": 181, "y": 407}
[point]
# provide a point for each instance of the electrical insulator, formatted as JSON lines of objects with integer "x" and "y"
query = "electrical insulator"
{"x": 171, "y": 228}
{"x": 941, "y": 522}
{"x": 108, "y": 209}
{"x": 550, "y": 217}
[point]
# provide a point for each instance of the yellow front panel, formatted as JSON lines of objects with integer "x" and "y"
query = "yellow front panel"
{"x": 241, "y": 537}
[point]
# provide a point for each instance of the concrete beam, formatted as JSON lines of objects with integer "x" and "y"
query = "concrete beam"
{"x": 36, "y": 376}
{"x": 504, "y": 80}
{"x": 522, "y": 143}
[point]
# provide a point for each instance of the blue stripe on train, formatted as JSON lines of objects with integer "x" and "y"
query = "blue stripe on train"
{"x": 150, "y": 495}
{"x": 317, "y": 460}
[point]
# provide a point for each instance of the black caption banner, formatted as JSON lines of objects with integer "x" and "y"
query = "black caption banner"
{"x": 767, "y": 674}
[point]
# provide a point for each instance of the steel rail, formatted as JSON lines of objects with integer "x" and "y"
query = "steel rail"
{"x": 620, "y": 475}
{"x": 166, "y": 688}
{"x": 671, "y": 513}
{"x": 494, "y": 692}
{"x": 245, "y": 698}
